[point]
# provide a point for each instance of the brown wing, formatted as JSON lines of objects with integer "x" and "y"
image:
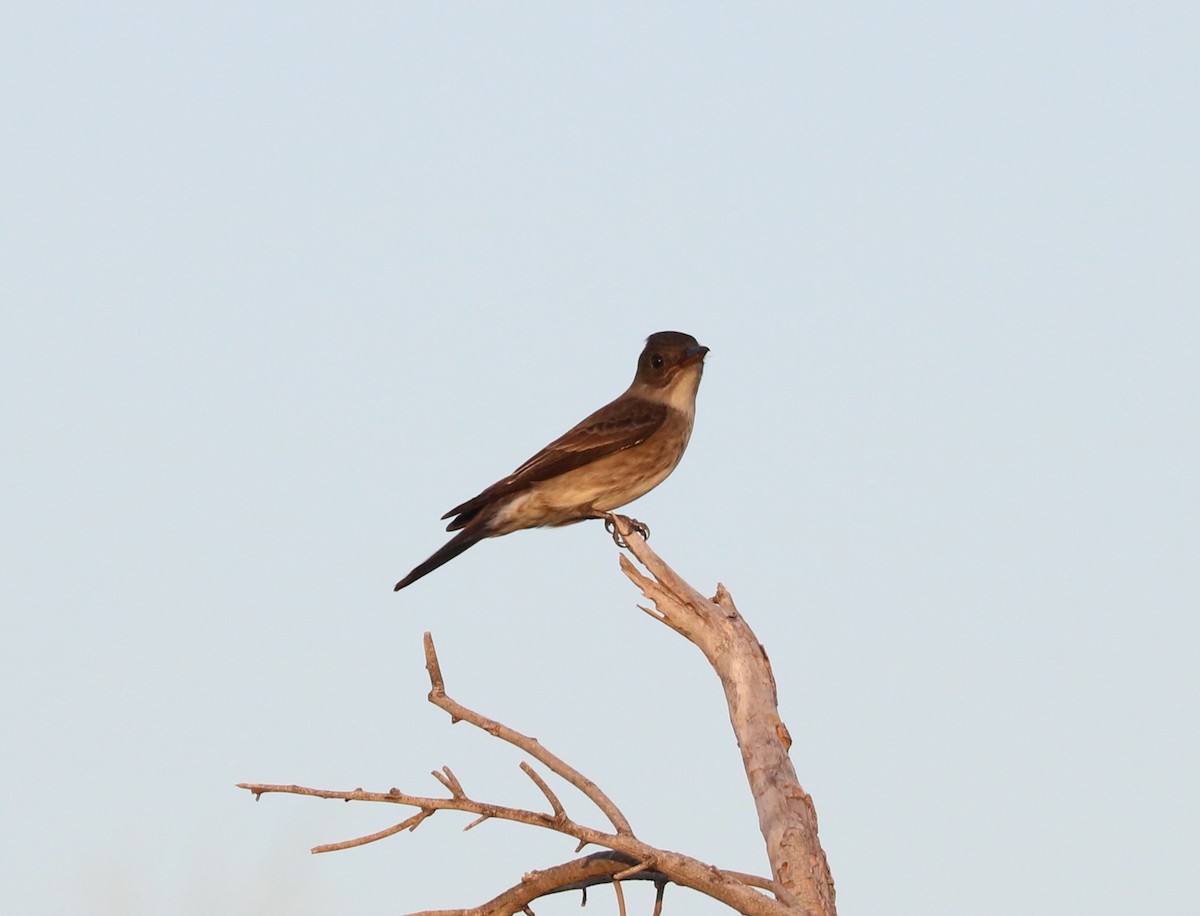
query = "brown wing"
{"x": 616, "y": 426}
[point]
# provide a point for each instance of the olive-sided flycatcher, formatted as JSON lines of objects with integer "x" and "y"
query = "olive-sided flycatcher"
{"x": 622, "y": 451}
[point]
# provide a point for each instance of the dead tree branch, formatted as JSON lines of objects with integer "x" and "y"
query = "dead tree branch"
{"x": 801, "y": 881}
{"x": 576, "y": 875}
{"x": 637, "y": 859}
{"x": 786, "y": 814}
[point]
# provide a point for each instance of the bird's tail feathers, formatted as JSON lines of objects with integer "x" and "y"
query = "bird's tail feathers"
{"x": 445, "y": 553}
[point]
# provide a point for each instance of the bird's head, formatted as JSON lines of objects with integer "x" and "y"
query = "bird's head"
{"x": 670, "y": 367}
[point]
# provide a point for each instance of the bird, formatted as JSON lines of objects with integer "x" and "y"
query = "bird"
{"x": 617, "y": 454}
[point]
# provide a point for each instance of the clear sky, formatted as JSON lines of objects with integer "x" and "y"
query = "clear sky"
{"x": 282, "y": 283}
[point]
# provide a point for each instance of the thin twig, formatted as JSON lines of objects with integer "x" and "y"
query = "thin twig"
{"x": 633, "y": 870}
{"x": 546, "y": 790}
{"x": 410, "y": 824}
{"x": 620, "y": 895}
{"x": 439, "y": 698}
{"x": 754, "y": 881}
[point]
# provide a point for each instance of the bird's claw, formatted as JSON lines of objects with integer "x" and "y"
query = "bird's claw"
{"x": 610, "y": 525}
{"x": 640, "y": 527}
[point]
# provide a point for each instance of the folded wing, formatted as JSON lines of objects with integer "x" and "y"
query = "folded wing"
{"x": 614, "y": 427}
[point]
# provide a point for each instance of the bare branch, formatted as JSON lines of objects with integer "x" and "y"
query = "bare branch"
{"x": 672, "y": 866}
{"x": 576, "y": 875}
{"x": 702, "y": 621}
{"x": 463, "y": 803}
{"x": 533, "y": 747}
{"x": 786, "y": 815}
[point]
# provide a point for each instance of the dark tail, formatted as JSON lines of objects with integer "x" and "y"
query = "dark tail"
{"x": 448, "y": 552}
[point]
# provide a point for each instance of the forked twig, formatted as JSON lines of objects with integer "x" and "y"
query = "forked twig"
{"x": 555, "y": 804}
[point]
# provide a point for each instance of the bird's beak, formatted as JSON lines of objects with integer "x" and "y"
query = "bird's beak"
{"x": 693, "y": 355}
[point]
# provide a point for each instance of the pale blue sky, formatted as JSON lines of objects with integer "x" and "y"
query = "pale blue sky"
{"x": 282, "y": 284}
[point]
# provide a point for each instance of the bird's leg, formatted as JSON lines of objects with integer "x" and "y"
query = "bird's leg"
{"x": 610, "y": 525}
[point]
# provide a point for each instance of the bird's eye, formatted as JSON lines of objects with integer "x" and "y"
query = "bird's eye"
{"x": 656, "y": 361}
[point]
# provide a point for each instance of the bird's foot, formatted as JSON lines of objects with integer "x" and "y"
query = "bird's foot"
{"x": 610, "y": 525}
